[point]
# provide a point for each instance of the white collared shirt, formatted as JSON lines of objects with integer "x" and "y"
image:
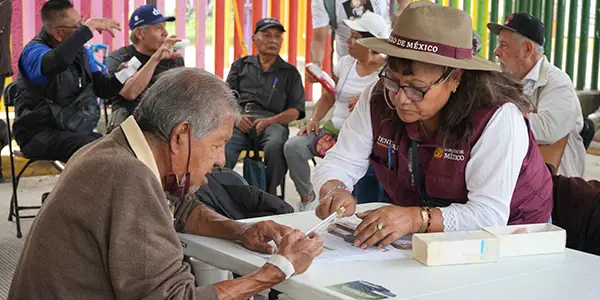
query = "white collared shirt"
{"x": 531, "y": 78}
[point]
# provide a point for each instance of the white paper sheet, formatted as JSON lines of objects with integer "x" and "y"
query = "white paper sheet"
{"x": 336, "y": 249}
{"x": 132, "y": 66}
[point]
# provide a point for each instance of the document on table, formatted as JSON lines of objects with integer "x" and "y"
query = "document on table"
{"x": 337, "y": 249}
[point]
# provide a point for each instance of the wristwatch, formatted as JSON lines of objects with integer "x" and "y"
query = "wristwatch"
{"x": 283, "y": 264}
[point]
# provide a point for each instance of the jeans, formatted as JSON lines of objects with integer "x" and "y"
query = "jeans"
{"x": 272, "y": 144}
{"x": 368, "y": 189}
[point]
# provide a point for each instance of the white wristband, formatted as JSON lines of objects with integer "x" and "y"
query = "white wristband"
{"x": 283, "y": 264}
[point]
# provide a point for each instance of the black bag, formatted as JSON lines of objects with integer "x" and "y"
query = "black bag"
{"x": 77, "y": 116}
{"x": 577, "y": 210}
{"x": 587, "y": 132}
{"x": 255, "y": 171}
{"x": 228, "y": 194}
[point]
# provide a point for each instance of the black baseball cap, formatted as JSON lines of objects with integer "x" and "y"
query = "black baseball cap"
{"x": 265, "y": 23}
{"x": 522, "y": 23}
{"x": 145, "y": 15}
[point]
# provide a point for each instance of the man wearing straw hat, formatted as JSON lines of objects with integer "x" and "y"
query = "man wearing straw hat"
{"x": 557, "y": 111}
{"x": 445, "y": 134}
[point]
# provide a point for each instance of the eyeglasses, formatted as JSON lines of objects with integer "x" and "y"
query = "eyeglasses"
{"x": 79, "y": 24}
{"x": 412, "y": 93}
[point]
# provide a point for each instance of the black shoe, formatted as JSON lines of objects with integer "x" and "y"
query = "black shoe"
{"x": 44, "y": 196}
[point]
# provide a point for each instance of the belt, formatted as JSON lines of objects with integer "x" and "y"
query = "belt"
{"x": 252, "y": 107}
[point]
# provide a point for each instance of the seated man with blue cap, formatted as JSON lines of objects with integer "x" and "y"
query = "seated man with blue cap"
{"x": 152, "y": 46}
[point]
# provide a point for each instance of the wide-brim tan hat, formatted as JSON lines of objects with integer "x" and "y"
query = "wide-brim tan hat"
{"x": 435, "y": 34}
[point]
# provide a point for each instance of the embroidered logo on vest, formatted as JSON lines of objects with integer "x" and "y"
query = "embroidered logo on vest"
{"x": 450, "y": 154}
{"x": 385, "y": 142}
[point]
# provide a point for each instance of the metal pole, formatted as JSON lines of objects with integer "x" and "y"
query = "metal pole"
{"x": 524, "y": 5}
{"x": 467, "y": 6}
{"x": 293, "y": 33}
{"x": 200, "y": 32}
{"x": 481, "y": 24}
{"x": 219, "y": 37}
{"x": 276, "y": 9}
{"x": 596, "y": 51}
{"x": 493, "y": 19}
{"x": 560, "y": 33}
{"x": 308, "y": 87}
{"x": 537, "y": 9}
{"x": 548, "y": 20}
{"x": 256, "y": 16}
{"x": 583, "y": 43}
{"x": 508, "y": 8}
{"x": 572, "y": 37}
{"x": 238, "y": 39}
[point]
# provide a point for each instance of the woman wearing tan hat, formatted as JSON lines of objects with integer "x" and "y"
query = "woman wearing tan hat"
{"x": 445, "y": 133}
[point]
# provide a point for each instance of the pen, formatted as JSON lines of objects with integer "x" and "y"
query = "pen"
{"x": 273, "y": 90}
{"x": 327, "y": 220}
{"x": 390, "y": 157}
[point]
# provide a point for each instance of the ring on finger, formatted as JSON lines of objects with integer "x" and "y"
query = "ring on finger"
{"x": 379, "y": 226}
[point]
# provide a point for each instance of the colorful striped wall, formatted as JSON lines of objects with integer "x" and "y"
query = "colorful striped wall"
{"x": 566, "y": 19}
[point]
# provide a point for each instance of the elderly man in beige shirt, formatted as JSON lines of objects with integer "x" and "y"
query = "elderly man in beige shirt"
{"x": 556, "y": 108}
{"x": 108, "y": 230}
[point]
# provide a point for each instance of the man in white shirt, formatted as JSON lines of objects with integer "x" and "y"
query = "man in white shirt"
{"x": 332, "y": 13}
{"x": 556, "y": 108}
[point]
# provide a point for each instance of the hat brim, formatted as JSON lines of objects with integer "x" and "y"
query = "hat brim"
{"x": 265, "y": 27}
{"x": 355, "y": 26}
{"x": 162, "y": 20}
{"x": 381, "y": 45}
{"x": 496, "y": 28}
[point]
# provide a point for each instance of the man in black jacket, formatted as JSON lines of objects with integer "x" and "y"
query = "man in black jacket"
{"x": 57, "y": 110}
{"x": 148, "y": 35}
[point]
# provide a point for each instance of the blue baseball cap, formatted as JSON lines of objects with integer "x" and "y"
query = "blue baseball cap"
{"x": 147, "y": 14}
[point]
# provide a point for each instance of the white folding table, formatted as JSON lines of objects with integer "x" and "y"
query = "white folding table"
{"x": 570, "y": 275}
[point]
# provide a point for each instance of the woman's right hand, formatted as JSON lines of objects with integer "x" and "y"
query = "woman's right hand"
{"x": 310, "y": 127}
{"x": 332, "y": 199}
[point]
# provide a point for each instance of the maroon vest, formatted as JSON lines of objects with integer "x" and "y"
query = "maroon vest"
{"x": 442, "y": 170}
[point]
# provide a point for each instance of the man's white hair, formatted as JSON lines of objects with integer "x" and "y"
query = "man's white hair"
{"x": 133, "y": 37}
{"x": 185, "y": 94}
{"x": 539, "y": 49}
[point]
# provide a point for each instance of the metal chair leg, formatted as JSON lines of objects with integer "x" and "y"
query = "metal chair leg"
{"x": 16, "y": 202}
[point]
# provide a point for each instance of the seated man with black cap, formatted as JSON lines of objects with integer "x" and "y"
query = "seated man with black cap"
{"x": 556, "y": 108}
{"x": 271, "y": 95}
{"x": 148, "y": 35}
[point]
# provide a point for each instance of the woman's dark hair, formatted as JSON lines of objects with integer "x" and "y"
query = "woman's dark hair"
{"x": 477, "y": 90}
{"x": 366, "y": 34}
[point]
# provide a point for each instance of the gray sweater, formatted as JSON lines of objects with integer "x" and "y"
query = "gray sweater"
{"x": 106, "y": 232}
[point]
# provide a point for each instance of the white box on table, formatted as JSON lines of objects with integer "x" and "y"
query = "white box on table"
{"x": 452, "y": 248}
{"x": 530, "y": 239}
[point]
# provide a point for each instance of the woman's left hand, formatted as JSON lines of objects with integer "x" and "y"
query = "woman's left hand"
{"x": 385, "y": 225}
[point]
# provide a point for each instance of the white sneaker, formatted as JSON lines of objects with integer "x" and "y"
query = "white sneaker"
{"x": 308, "y": 205}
